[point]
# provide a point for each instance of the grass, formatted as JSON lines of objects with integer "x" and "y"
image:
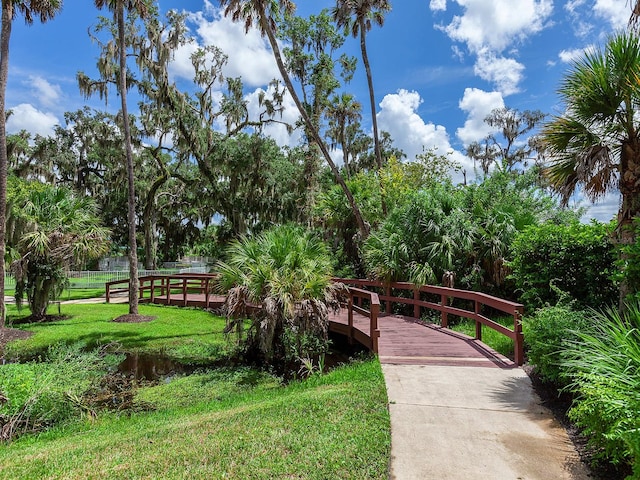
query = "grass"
{"x": 70, "y": 294}
{"x": 81, "y": 293}
{"x": 236, "y": 423}
{"x": 499, "y": 342}
{"x": 333, "y": 426}
{"x": 187, "y": 335}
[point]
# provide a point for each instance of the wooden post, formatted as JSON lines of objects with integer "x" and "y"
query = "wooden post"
{"x": 373, "y": 327}
{"x": 206, "y": 292}
{"x": 518, "y": 348}
{"x": 478, "y": 324}
{"x": 350, "y": 318}
{"x": 387, "y": 304}
{"x": 168, "y": 279}
{"x": 108, "y": 292}
{"x": 416, "y": 307}
{"x": 444, "y": 318}
{"x": 184, "y": 291}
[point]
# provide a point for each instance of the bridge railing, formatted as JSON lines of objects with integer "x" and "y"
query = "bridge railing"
{"x": 180, "y": 284}
{"x": 367, "y": 303}
{"x": 443, "y": 303}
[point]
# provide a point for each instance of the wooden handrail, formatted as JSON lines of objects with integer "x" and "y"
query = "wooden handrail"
{"x": 374, "y": 311}
{"x": 479, "y": 300}
{"x": 183, "y": 282}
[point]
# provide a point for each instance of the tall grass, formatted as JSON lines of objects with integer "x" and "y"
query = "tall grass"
{"x": 603, "y": 363}
{"x": 39, "y": 395}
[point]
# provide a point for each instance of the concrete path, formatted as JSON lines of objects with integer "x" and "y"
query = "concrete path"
{"x": 460, "y": 423}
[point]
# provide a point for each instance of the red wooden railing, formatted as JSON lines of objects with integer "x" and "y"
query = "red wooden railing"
{"x": 358, "y": 300}
{"x": 445, "y": 295}
{"x": 153, "y": 286}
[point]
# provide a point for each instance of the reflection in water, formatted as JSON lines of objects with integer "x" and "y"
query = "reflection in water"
{"x": 144, "y": 366}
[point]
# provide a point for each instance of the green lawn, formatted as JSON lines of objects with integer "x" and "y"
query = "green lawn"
{"x": 188, "y": 335}
{"x": 237, "y": 423}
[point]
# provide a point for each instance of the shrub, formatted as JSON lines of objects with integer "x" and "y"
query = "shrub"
{"x": 545, "y": 333}
{"x": 576, "y": 258}
{"x": 287, "y": 271}
{"x": 603, "y": 364}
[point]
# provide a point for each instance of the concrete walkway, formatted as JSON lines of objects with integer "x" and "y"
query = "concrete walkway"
{"x": 461, "y": 422}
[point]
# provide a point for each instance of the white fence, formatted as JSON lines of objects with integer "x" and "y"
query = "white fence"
{"x": 97, "y": 279}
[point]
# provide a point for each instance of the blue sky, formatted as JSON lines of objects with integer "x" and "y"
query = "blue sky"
{"x": 439, "y": 66}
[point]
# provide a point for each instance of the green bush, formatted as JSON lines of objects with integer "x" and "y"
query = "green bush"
{"x": 603, "y": 364}
{"x": 577, "y": 258}
{"x": 545, "y": 333}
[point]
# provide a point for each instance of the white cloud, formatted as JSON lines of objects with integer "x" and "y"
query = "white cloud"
{"x": 477, "y": 104}
{"x": 587, "y": 16}
{"x": 46, "y": 93}
{"x": 438, "y": 5}
{"x": 409, "y": 131}
{"x": 26, "y": 117}
{"x": 616, "y": 12}
{"x": 497, "y": 24}
{"x": 505, "y": 73}
{"x": 568, "y": 56}
{"x": 488, "y": 28}
{"x": 572, "y": 5}
{"x": 249, "y": 54}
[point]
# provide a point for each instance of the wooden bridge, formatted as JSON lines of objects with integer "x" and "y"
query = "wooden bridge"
{"x": 386, "y": 318}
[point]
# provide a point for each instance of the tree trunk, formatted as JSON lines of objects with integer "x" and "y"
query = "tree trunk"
{"x": 131, "y": 199}
{"x": 149, "y": 222}
{"x": 266, "y": 27}
{"x": 374, "y": 119}
{"x": 39, "y": 300}
{"x": 149, "y": 241}
{"x": 629, "y": 211}
{"x": 5, "y": 36}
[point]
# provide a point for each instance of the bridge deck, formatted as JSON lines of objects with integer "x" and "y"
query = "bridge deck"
{"x": 403, "y": 341}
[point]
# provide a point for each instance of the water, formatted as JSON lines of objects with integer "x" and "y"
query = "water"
{"x": 144, "y": 366}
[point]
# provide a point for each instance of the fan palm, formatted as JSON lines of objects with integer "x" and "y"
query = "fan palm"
{"x": 343, "y": 112}
{"x": 635, "y": 12}
{"x": 286, "y": 271}
{"x": 49, "y": 230}
{"x": 595, "y": 144}
{"x": 44, "y": 10}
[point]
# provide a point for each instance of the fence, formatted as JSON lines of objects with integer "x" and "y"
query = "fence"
{"x": 97, "y": 279}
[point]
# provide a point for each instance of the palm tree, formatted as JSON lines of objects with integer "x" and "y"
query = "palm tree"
{"x": 44, "y": 10}
{"x": 595, "y": 144}
{"x": 49, "y": 229}
{"x": 358, "y": 16}
{"x": 264, "y": 14}
{"x": 635, "y": 12}
{"x": 343, "y": 111}
{"x": 141, "y": 8}
{"x": 287, "y": 271}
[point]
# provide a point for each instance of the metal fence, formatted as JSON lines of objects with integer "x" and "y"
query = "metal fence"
{"x": 97, "y": 279}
